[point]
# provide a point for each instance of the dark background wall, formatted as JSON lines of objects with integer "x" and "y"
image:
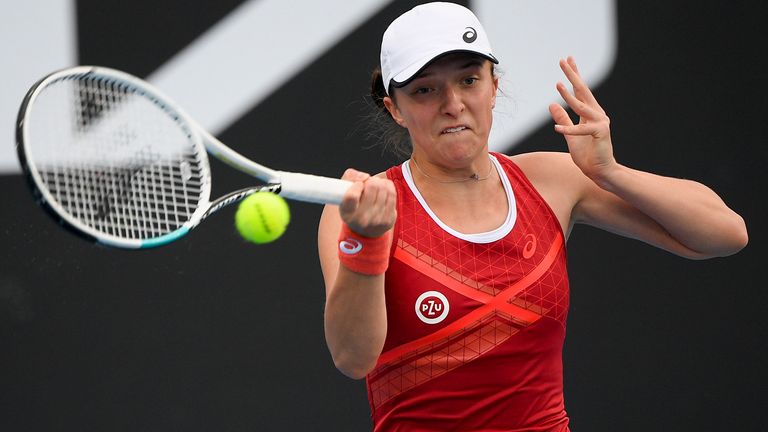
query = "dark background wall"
{"x": 211, "y": 333}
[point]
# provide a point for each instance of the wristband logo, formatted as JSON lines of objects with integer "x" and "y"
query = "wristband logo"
{"x": 432, "y": 307}
{"x": 350, "y": 246}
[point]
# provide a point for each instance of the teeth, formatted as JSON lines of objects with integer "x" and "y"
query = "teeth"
{"x": 456, "y": 129}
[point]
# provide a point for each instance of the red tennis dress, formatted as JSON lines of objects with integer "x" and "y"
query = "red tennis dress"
{"x": 476, "y": 322}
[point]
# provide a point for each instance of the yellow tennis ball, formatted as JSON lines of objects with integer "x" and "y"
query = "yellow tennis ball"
{"x": 262, "y": 217}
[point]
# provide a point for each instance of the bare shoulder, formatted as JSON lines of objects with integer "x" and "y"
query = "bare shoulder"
{"x": 542, "y": 160}
{"x": 557, "y": 179}
{"x": 548, "y": 167}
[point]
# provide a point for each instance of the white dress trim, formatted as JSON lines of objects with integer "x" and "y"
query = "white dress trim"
{"x": 483, "y": 237}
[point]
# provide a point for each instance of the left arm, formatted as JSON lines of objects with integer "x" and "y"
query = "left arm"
{"x": 682, "y": 216}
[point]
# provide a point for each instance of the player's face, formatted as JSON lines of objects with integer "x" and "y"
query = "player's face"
{"x": 448, "y": 108}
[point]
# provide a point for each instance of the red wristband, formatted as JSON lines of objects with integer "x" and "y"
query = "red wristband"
{"x": 364, "y": 255}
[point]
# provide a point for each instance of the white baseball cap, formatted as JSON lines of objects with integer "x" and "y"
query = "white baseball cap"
{"x": 426, "y": 32}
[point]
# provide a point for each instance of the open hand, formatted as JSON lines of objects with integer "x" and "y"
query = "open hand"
{"x": 589, "y": 141}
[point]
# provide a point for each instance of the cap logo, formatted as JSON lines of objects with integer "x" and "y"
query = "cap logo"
{"x": 470, "y": 35}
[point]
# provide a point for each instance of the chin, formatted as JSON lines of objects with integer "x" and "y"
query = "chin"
{"x": 461, "y": 153}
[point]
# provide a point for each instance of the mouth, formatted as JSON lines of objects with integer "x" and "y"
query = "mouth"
{"x": 453, "y": 129}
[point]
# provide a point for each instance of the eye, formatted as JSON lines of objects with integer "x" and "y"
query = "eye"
{"x": 469, "y": 81}
{"x": 421, "y": 90}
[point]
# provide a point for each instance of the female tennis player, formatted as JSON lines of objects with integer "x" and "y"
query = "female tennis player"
{"x": 446, "y": 275}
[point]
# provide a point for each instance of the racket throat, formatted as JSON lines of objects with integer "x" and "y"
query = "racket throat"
{"x": 237, "y": 196}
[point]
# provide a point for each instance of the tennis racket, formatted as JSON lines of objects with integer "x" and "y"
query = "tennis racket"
{"x": 115, "y": 160}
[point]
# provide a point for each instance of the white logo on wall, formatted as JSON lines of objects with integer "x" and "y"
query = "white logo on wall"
{"x": 214, "y": 82}
{"x": 432, "y": 307}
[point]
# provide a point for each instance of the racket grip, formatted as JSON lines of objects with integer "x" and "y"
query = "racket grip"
{"x": 312, "y": 188}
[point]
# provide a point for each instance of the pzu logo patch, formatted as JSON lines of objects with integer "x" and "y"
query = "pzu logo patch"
{"x": 432, "y": 307}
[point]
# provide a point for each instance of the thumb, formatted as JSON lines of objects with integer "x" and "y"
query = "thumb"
{"x": 351, "y": 198}
{"x": 354, "y": 175}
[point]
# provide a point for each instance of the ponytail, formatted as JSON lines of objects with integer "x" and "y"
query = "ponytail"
{"x": 377, "y": 89}
{"x": 384, "y": 130}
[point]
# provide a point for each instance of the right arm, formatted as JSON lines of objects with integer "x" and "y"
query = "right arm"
{"x": 355, "y": 310}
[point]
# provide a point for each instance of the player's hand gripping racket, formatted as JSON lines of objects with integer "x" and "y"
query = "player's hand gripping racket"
{"x": 117, "y": 161}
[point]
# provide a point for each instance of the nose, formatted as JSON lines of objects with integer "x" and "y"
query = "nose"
{"x": 453, "y": 104}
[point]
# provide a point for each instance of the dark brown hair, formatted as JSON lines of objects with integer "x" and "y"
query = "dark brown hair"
{"x": 390, "y": 135}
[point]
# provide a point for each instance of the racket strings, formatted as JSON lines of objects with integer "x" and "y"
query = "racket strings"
{"x": 114, "y": 159}
{"x": 109, "y": 200}
{"x": 92, "y": 99}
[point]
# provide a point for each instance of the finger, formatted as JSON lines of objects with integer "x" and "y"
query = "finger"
{"x": 580, "y": 87}
{"x": 387, "y": 199}
{"x": 390, "y": 216}
{"x": 390, "y": 201}
{"x": 371, "y": 189}
{"x": 559, "y": 115}
{"x": 371, "y": 202}
{"x": 374, "y": 213}
{"x": 578, "y": 106}
{"x": 572, "y": 74}
{"x": 384, "y": 191}
{"x": 391, "y": 192}
{"x": 351, "y": 199}
{"x": 572, "y": 63}
{"x": 580, "y": 129}
{"x": 354, "y": 175}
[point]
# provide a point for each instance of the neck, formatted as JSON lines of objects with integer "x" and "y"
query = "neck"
{"x": 477, "y": 172}
{"x": 468, "y": 206}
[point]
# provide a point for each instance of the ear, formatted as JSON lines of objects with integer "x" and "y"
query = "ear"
{"x": 495, "y": 91}
{"x": 393, "y": 111}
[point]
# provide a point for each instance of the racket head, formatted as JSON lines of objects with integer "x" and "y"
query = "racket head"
{"x": 112, "y": 158}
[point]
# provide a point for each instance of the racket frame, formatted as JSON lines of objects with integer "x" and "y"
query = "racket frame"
{"x": 303, "y": 187}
